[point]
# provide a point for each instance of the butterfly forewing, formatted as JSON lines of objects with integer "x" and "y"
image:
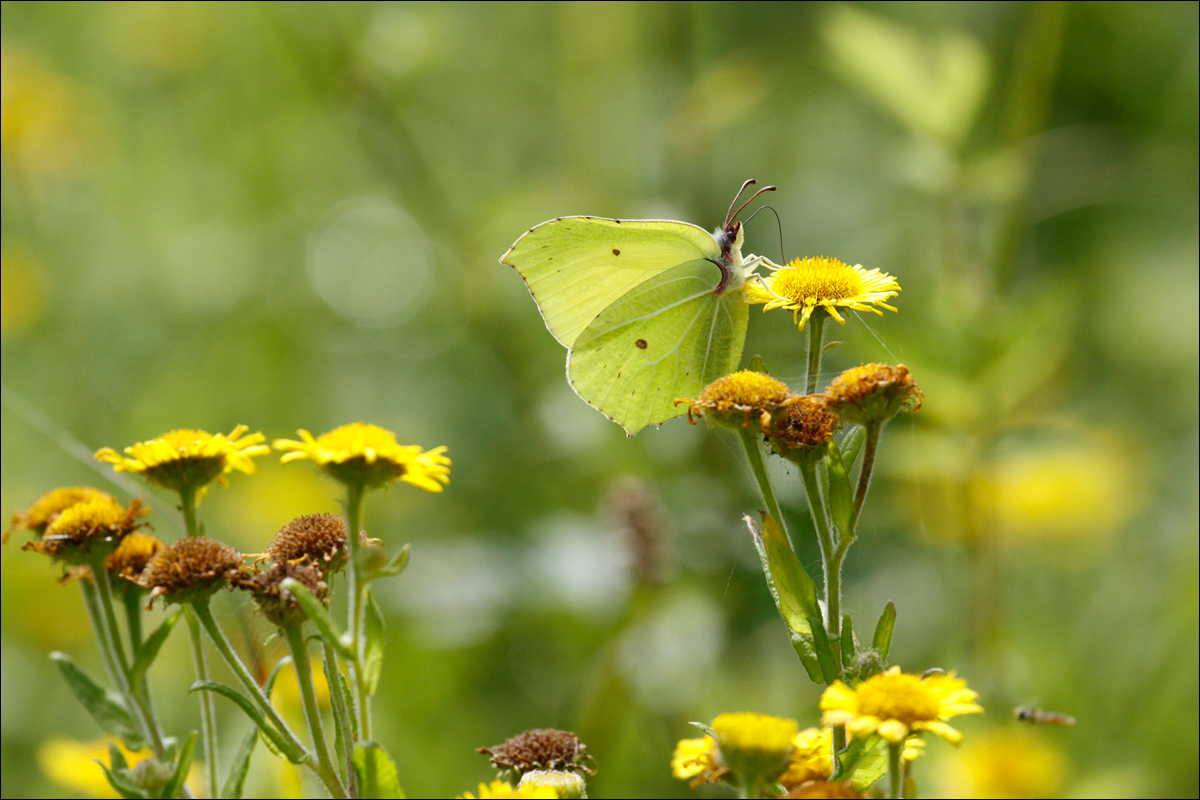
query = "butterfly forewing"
{"x": 664, "y": 339}
{"x": 576, "y": 267}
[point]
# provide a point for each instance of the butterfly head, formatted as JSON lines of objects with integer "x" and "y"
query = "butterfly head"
{"x": 730, "y": 235}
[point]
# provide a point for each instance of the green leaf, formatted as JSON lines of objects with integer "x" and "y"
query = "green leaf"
{"x": 120, "y": 780}
{"x": 372, "y": 665}
{"x": 107, "y": 708}
{"x": 883, "y": 631}
{"x": 149, "y": 650}
{"x": 174, "y": 786}
{"x": 236, "y": 779}
{"x": 269, "y": 685}
{"x": 870, "y": 765}
{"x": 377, "y": 775}
{"x": 116, "y": 757}
{"x": 857, "y": 753}
{"x": 848, "y": 648}
{"x": 394, "y": 567}
{"x": 273, "y": 737}
{"x": 851, "y": 446}
{"x": 840, "y": 494}
{"x": 314, "y": 609}
{"x": 829, "y": 347}
{"x": 756, "y": 364}
{"x": 829, "y": 665}
{"x": 794, "y": 593}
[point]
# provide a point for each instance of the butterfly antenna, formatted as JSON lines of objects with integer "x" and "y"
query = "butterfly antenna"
{"x": 729, "y": 215}
{"x": 782, "y": 255}
{"x": 748, "y": 202}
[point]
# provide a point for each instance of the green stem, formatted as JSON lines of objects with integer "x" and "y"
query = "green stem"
{"x": 759, "y": 466}
{"x": 187, "y": 498}
{"x": 895, "y": 773}
{"x": 358, "y": 597}
{"x": 864, "y": 476}
{"x": 132, "y": 599}
{"x": 312, "y": 713}
{"x": 208, "y": 710}
{"x": 830, "y": 566}
{"x": 816, "y": 324}
{"x": 91, "y": 601}
{"x": 341, "y": 715}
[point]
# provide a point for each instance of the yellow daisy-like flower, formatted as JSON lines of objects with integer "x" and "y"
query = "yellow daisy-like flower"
{"x": 824, "y": 789}
{"x": 811, "y": 758}
{"x": 807, "y": 284}
{"x": 45, "y": 509}
{"x": 693, "y": 758}
{"x": 740, "y": 399}
{"x": 369, "y": 456}
{"x": 894, "y": 705}
{"x": 132, "y": 555}
{"x": 873, "y": 393}
{"x": 502, "y": 789}
{"x": 755, "y": 748}
{"x": 187, "y": 460}
{"x": 89, "y": 530}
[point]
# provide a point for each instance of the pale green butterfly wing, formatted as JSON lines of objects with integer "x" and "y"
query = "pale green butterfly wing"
{"x": 576, "y": 267}
{"x": 665, "y": 339}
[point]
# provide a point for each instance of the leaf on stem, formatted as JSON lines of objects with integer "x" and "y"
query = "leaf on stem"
{"x": 794, "y": 593}
{"x": 315, "y": 611}
{"x": 829, "y": 665}
{"x": 848, "y": 644}
{"x": 107, "y": 708}
{"x": 174, "y": 786}
{"x": 149, "y": 650}
{"x": 236, "y": 780}
{"x": 863, "y": 762}
{"x": 851, "y": 446}
{"x": 269, "y": 684}
{"x": 883, "y": 631}
{"x": 274, "y": 739}
{"x": 395, "y": 566}
{"x": 377, "y": 775}
{"x": 120, "y": 779}
{"x": 839, "y": 492}
{"x": 372, "y": 665}
{"x": 756, "y": 364}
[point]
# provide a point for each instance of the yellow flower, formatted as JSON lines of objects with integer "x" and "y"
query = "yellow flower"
{"x": 811, "y": 758}
{"x": 1006, "y": 764}
{"x": 894, "y": 705}
{"x": 739, "y": 399}
{"x": 187, "y": 460}
{"x": 914, "y": 748}
{"x": 133, "y": 554}
{"x": 824, "y": 789}
{"x": 71, "y": 764}
{"x": 45, "y": 509}
{"x": 88, "y": 530}
{"x": 755, "y": 748}
{"x": 565, "y": 785}
{"x": 501, "y": 789}
{"x": 369, "y": 456}
{"x": 693, "y": 758}
{"x": 807, "y": 284}
{"x": 873, "y": 393}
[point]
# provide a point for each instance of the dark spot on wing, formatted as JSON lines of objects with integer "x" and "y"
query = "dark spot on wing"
{"x": 616, "y": 252}
{"x": 641, "y": 344}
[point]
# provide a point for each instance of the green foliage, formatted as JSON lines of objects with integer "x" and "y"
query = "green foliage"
{"x": 377, "y": 775}
{"x": 240, "y": 767}
{"x": 150, "y": 648}
{"x": 372, "y": 657}
{"x": 840, "y": 492}
{"x": 881, "y": 642}
{"x": 793, "y": 590}
{"x": 315, "y": 610}
{"x": 107, "y": 708}
{"x": 275, "y": 741}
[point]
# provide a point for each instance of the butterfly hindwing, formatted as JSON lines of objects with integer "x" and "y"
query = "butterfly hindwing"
{"x": 664, "y": 339}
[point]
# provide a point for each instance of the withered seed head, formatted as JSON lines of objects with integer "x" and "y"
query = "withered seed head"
{"x": 316, "y": 539}
{"x": 803, "y": 429}
{"x": 190, "y": 569}
{"x": 541, "y": 748}
{"x": 276, "y": 604}
{"x": 873, "y": 393}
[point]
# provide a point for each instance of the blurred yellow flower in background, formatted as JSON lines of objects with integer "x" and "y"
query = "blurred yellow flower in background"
{"x": 22, "y": 292}
{"x": 42, "y": 124}
{"x": 1009, "y": 763}
{"x": 501, "y": 789}
{"x": 811, "y": 758}
{"x": 694, "y": 758}
{"x": 807, "y": 284}
{"x": 72, "y": 765}
{"x": 370, "y": 456}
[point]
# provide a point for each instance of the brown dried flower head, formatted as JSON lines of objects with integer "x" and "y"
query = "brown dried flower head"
{"x": 816, "y": 789}
{"x": 89, "y": 530}
{"x": 873, "y": 393}
{"x": 132, "y": 555}
{"x": 742, "y": 399}
{"x": 803, "y": 429}
{"x": 45, "y": 509}
{"x": 276, "y": 604}
{"x": 540, "y": 749}
{"x": 315, "y": 539}
{"x": 190, "y": 569}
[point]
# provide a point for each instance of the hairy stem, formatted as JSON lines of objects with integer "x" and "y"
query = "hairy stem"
{"x": 312, "y": 713}
{"x": 341, "y": 715}
{"x": 816, "y": 324}
{"x": 895, "y": 773}
{"x": 759, "y": 466}
{"x": 208, "y": 710}
{"x": 358, "y": 599}
{"x": 864, "y": 476}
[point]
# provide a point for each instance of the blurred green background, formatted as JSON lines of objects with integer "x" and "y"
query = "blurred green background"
{"x": 290, "y": 214}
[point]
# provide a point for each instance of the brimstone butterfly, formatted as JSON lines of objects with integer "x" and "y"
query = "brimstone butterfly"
{"x": 649, "y": 310}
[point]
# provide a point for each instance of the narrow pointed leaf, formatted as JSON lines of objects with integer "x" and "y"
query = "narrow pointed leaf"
{"x": 756, "y": 364}
{"x": 851, "y": 446}
{"x": 107, "y": 708}
{"x": 829, "y": 665}
{"x": 116, "y": 757}
{"x": 236, "y": 779}
{"x": 269, "y": 685}
{"x": 840, "y": 493}
{"x": 394, "y": 567}
{"x": 848, "y": 648}
{"x": 273, "y": 736}
{"x": 794, "y": 594}
{"x": 120, "y": 783}
{"x": 372, "y": 665}
{"x": 376, "y": 773}
{"x": 314, "y": 609}
{"x": 883, "y": 631}
{"x": 150, "y": 648}
{"x": 829, "y": 347}
{"x": 174, "y": 786}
